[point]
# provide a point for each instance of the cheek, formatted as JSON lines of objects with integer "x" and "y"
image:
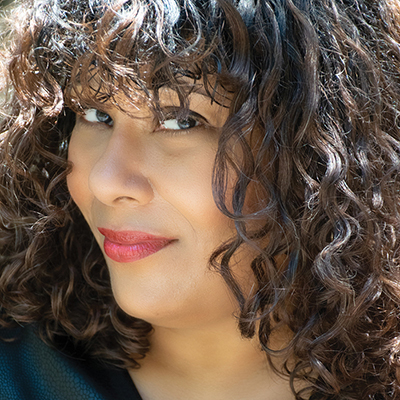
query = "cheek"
{"x": 190, "y": 191}
{"x": 78, "y": 179}
{"x": 77, "y": 189}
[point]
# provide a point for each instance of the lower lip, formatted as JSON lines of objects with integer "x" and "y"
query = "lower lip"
{"x": 125, "y": 253}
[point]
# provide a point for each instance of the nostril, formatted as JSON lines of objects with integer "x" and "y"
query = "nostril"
{"x": 121, "y": 199}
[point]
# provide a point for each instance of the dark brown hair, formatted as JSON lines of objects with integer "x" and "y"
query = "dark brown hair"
{"x": 315, "y": 89}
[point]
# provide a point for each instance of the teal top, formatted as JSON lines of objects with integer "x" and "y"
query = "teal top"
{"x": 31, "y": 370}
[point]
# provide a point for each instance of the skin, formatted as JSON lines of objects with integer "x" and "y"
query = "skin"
{"x": 136, "y": 173}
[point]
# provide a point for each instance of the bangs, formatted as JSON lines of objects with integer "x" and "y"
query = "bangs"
{"x": 105, "y": 49}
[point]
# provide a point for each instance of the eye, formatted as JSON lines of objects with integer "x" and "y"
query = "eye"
{"x": 180, "y": 123}
{"x": 97, "y": 116}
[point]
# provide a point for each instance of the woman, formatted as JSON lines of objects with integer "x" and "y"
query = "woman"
{"x": 199, "y": 200}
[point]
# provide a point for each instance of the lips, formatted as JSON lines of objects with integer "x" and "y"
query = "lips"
{"x": 130, "y": 246}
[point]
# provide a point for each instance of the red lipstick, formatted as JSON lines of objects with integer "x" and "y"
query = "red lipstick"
{"x": 130, "y": 246}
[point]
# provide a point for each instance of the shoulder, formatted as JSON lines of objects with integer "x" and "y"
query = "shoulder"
{"x": 31, "y": 370}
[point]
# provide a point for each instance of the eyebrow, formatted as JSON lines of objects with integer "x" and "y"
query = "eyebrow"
{"x": 198, "y": 89}
{"x": 214, "y": 96}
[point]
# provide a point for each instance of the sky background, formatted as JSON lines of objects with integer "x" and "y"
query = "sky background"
{"x": 4, "y": 2}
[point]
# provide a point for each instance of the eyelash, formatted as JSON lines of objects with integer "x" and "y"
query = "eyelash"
{"x": 107, "y": 120}
{"x": 193, "y": 119}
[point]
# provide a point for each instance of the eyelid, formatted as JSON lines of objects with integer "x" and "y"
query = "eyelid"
{"x": 84, "y": 116}
{"x": 170, "y": 113}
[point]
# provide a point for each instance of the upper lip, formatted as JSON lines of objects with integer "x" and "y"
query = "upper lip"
{"x": 130, "y": 237}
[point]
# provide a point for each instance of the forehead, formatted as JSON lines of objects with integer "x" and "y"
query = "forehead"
{"x": 94, "y": 88}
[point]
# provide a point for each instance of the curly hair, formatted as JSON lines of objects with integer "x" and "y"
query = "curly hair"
{"x": 315, "y": 104}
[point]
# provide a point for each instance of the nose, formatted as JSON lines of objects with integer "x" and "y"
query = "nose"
{"x": 119, "y": 174}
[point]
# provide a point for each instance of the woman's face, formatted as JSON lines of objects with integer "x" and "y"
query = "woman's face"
{"x": 144, "y": 187}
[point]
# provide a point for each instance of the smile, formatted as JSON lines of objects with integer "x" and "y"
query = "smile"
{"x": 130, "y": 246}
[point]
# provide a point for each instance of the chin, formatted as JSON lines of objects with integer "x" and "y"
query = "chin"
{"x": 168, "y": 312}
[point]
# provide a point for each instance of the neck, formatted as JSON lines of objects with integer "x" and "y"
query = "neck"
{"x": 209, "y": 363}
